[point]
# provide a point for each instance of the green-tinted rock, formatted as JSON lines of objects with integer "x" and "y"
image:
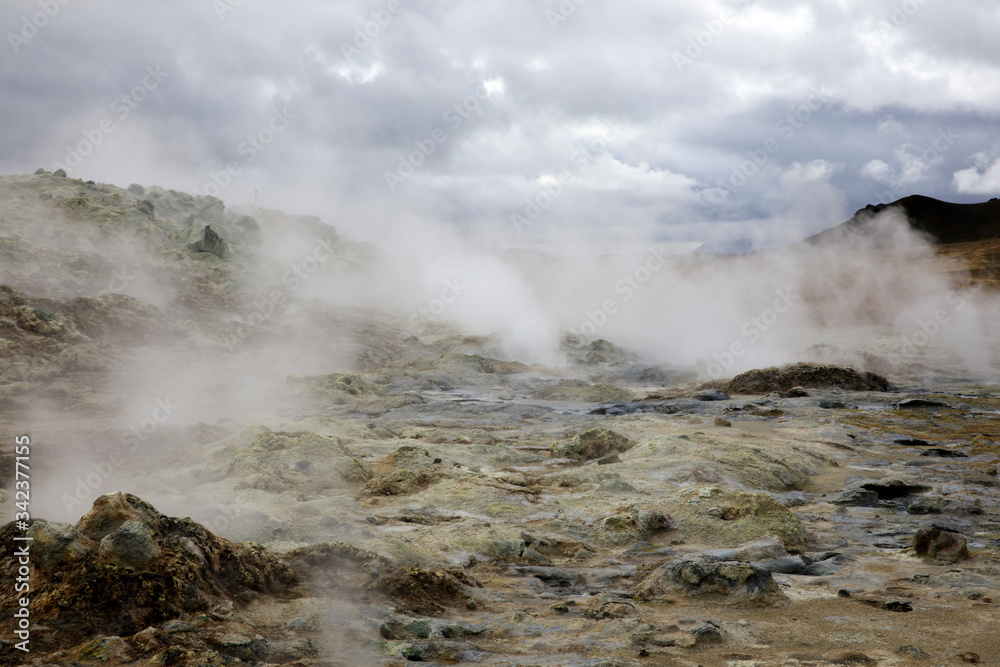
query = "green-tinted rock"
{"x": 131, "y": 545}
{"x": 592, "y": 444}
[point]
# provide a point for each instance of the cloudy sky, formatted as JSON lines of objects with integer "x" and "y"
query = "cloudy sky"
{"x": 517, "y": 121}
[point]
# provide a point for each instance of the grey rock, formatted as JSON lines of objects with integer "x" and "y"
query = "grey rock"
{"x": 131, "y": 545}
{"x": 910, "y": 651}
{"x": 792, "y": 499}
{"x": 705, "y": 576}
{"x": 146, "y": 208}
{"x": 710, "y": 395}
{"x": 210, "y": 243}
{"x": 177, "y": 626}
{"x": 922, "y": 403}
{"x": 301, "y": 464}
{"x": 55, "y": 545}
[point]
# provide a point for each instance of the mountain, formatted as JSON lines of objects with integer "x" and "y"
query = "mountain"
{"x": 943, "y": 222}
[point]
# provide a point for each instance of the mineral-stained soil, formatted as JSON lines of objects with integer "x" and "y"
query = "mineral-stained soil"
{"x": 390, "y": 491}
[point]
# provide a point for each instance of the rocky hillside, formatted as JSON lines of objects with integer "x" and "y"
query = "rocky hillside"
{"x": 230, "y": 465}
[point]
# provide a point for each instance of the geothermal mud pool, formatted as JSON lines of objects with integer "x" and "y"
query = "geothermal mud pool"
{"x": 227, "y": 468}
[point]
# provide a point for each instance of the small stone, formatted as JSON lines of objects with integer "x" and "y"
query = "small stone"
{"x": 413, "y": 654}
{"x": 421, "y": 629}
{"x": 970, "y": 657}
{"x": 913, "y": 652}
{"x": 940, "y": 544}
{"x": 843, "y": 593}
{"x": 177, "y": 626}
{"x": 912, "y": 403}
{"x": 210, "y": 242}
{"x": 796, "y": 392}
{"x": 719, "y": 421}
{"x": 709, "y": 633}
{"x": 300, "y": 625}
{"x": 710, "y": 395}
{"x": 560, "y": 608}
{"x": 148, "y": 640}
{"x": 592, "y": 444}
{"x": 59, "y": 172}
{"x": 105, "y": 649}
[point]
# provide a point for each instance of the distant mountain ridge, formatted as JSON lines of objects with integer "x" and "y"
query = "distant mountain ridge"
{"x": 944, "y": 222}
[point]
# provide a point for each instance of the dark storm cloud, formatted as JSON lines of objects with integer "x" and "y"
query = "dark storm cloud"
{"x": 664, "y": 118}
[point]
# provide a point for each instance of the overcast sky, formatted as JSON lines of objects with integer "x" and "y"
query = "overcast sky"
{"x": 526, "y": 120}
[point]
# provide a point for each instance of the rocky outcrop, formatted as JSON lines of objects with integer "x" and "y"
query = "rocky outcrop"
{"x": 709, "y": 577}
{"x": 797, "y": 376}
{"x": 124, "y": 567}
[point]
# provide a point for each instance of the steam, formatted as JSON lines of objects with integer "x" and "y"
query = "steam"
{"x": 205, "y": 346}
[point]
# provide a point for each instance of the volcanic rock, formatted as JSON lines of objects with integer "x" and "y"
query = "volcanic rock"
{"x": 940, "y": 544}
{"x": 592, "y": 444}
{"x": 766, "y": 380}
{"x": 709, "y": 577}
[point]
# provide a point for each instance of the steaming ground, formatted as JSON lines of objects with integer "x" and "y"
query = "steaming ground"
{"x": 435, "y": 408}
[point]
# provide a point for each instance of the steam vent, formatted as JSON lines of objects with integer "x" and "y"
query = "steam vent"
{"x": 250, "y": 438}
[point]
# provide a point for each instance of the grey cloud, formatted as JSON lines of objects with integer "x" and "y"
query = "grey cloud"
{"x": 686, "y": 127}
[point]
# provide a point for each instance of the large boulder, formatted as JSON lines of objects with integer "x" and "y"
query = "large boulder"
{"x": 712, "y": 578}
{"x": 767, "y": 380}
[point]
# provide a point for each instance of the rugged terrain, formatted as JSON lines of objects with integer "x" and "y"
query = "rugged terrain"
{"x": 230, "y": 464}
